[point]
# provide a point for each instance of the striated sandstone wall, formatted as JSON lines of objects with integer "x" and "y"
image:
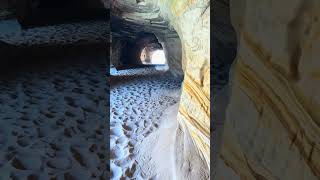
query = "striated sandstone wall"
{"x": 191, "y": 20}
{"x": 272, "y": 127}
{"x": 193, "y": 24}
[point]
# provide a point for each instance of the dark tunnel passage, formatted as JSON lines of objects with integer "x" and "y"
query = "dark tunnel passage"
{"x": 144, "y": 50}
{"x": 150, "y": 50}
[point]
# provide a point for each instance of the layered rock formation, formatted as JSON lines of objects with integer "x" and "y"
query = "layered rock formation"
{"x": 272, "y": 123}
{"x": 191, "y": 21}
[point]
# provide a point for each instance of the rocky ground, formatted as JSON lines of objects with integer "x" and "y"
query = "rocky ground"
{"x": 139, "y": 98}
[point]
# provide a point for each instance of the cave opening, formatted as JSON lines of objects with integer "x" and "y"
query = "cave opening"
{"x": 150, "y": 56}
{"x": 158, "y": 57}
{"x": 152, "y": 52}
{"x": 144, "y": 50}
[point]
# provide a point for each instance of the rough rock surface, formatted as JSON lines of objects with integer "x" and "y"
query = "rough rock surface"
{"x": 272, "y": 122}
{"x": 117, "y": 49}
{"x": 173, "y": 51}
{"x": 191, "y": 21}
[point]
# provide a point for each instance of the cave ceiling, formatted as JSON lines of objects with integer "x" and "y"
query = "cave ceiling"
{"x": 130, "y": 17}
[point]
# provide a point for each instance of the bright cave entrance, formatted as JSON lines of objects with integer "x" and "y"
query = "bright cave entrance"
{"x": 153, "y": 56}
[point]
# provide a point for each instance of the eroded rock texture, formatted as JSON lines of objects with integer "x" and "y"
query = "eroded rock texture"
{"x": 173, "y": 51}
{"x": 117, "y": 48}
{"x": 272, "y": 125}
{"x": 191, "y": 19}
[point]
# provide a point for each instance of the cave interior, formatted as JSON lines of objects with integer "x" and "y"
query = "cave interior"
{"x": 142, "y": 66}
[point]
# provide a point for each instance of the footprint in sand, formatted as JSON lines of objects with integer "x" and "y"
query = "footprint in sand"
{"x": 46, "y": 135}
{"x": 136, "y": 107}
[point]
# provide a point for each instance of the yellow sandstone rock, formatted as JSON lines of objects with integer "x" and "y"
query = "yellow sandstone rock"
{"x": 272, "y": 127}
{"x": 191, "y": 19}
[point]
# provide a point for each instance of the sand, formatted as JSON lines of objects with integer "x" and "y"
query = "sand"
{"x": 52, "y": 121}
{"x": 157, "y": 152}
{"x": 169, "y": 152}
{"x": 139, "y": 99}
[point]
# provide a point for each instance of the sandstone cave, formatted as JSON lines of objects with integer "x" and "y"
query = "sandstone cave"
{"x": 159, "y": 109}
{"x": 75, "y": 72}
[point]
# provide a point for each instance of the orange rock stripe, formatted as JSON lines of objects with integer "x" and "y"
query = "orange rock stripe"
{"x": 201, "y": 127}
{"x": 305, "y": 145}
{"x": 200, "y": 135}
{"x": 194, "y": 90}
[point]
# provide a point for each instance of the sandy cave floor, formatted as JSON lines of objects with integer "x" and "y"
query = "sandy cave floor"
{"x": 52, "y": 116}
{"x": 138, "y": 99}
{"x": 61, "y": 34}
{"x": 52, "y": 122}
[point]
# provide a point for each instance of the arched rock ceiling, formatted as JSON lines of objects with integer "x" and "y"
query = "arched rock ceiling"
{"x": 129, "y": 17}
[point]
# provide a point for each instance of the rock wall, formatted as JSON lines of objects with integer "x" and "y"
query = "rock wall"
{"x": 191, "y": 20}
{"x": 173, "y": 52}
{"x": 272, "y": 126}
{"x": 224, "y": 44}
{"x": 116, "y": 50}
